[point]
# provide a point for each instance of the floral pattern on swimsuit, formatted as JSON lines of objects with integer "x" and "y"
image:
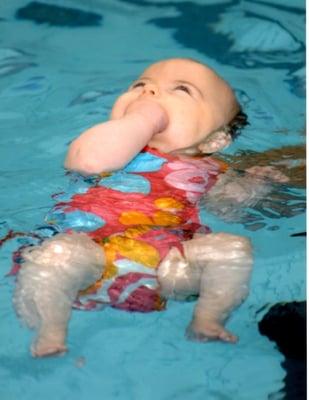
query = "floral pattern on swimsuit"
{"x": 137, "y": 215}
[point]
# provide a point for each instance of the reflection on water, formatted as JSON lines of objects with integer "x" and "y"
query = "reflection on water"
{"x": 54, "y": 15}
{"x": 13, "y": 61}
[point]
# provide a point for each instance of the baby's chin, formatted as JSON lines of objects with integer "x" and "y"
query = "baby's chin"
{"x": 168, "y": 142}
{"x": 192, "y": 150}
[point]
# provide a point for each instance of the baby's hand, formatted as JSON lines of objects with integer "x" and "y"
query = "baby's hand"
{"x": 151, "y": 113}
{"x": 111, "y": 145}
{"x": 269, "y": 172}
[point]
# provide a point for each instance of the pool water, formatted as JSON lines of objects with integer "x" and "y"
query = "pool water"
{"x": 60, "y": 71}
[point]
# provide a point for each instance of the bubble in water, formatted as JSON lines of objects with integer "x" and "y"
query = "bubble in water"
{"x": 80, "y": 362}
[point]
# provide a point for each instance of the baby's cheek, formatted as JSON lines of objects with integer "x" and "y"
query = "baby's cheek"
{"x": 185, "y": 130}
{"x": 176, "y": 137}
{"x": 182, "y": 130}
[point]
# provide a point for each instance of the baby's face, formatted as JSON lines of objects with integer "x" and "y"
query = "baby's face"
{"x": 197, "y": 101}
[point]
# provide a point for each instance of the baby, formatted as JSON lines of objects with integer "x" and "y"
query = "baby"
{"x": 179, "y": 109}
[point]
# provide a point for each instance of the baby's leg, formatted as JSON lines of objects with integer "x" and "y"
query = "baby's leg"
{"x": 225, "y": 263}
{"x": 216, "y": 267}
{"x": 48, "y": 283}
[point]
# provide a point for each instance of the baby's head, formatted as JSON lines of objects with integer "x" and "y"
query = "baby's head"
{"x": 199, "y": 105}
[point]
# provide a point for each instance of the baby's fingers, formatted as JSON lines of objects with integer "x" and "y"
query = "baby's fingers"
{"x": 269, "y": 172}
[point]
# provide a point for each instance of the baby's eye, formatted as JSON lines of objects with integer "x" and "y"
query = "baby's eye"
{"x": 138, "y": 84}
{"x": 183, "y": 88}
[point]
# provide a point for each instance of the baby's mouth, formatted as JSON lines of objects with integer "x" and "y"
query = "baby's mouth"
{"x": 152, "y": 111}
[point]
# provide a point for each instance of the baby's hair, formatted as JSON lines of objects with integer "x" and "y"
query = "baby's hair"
{"x": 235, "y": 126}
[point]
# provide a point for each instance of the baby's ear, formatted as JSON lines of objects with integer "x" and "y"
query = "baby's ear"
{"x": 215, "y": 141}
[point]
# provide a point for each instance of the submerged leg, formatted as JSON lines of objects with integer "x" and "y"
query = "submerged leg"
{"x": 225, "y": 263}
{"x": 48, "y": 283}
{"x": 217, "y": 267}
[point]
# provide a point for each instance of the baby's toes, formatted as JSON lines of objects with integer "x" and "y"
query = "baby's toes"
{"x": 227, "y": 336}
{"x": 209, "y": 331}
{"x": 49, "y": 345}
{"x": 45, "y": 350}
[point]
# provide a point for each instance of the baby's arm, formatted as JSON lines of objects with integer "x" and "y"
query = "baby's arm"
{"x": 234, "y": 191}
{"x": 111, "y": 145}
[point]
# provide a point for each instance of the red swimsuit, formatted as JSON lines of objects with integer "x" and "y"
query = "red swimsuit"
{"x": 137, "y": 215}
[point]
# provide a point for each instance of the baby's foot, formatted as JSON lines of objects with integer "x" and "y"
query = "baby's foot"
{"x": 45, "y": 350}
{"x": 49, "y": 345}
{"x": 207, "y": 330}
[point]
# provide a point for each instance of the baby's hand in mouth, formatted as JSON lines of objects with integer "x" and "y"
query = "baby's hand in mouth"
{"x": 151, "y": 113}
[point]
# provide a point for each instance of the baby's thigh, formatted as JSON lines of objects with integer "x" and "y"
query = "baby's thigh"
{"x": 216, "y": 247}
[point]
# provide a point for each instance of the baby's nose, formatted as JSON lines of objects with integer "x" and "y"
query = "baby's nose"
{"x": 151, "y": 89}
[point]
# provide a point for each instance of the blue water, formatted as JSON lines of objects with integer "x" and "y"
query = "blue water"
{"x": 56, "y": 80}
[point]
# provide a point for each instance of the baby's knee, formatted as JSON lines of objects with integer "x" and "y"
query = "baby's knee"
{"x": 65, "y": 248}
{"x": 74, "y": 257}
{"x": 234, "y": 245}
{"x": 227, "y": 241}
{"x": 232, "y": 249}
{"x": 218, "y": 247}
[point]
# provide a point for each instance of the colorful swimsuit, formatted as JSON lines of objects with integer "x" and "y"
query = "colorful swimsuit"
{"x": 137, "y": 215}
